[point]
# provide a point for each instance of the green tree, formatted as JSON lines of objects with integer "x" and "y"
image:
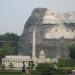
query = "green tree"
{"x": 9, "y": 37}
{"x": 6, "y": 49}
{"x": 63, "y": 62}
{"x": 45, "y": 68}
{"x": 71, "y": 49}
{"x": 3, "y": 67}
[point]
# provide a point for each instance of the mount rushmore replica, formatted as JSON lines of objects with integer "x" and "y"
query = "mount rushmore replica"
{"x": 54, "y": 32}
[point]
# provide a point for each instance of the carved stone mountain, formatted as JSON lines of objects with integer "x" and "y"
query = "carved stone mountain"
{"x": 54, "y": 32}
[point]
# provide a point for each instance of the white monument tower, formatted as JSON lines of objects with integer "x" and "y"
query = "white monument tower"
{"x": 34, "y": 46}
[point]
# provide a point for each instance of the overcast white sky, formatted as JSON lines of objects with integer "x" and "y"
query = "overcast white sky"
{"x": 14, "y": 13}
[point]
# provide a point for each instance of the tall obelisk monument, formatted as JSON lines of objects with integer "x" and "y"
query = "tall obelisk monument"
{"x": 34, "y": 45}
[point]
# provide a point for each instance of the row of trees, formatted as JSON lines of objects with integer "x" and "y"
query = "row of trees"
{"x": 9, "y": 37}
{"x": 6, "y": 49}
{"x": 8, "y": 44}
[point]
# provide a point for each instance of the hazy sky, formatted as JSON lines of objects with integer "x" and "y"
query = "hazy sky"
{"x": 14, "y": 13}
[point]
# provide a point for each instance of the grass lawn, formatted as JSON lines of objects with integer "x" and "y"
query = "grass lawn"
{"x": 29, "y": 74}
{"x": 11, "y": 74}
{"x": 17, "y": 74}
{"x": 24, "y": 74}
{"x": 20, "y": 73}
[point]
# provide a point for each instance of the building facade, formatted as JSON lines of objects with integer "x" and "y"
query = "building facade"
{"x": 16, "y": 61}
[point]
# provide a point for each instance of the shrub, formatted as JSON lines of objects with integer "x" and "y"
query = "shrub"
{"x": 3, "y": 67}
{"x": 45, "y": 68}
{"x": 66, "y": 63}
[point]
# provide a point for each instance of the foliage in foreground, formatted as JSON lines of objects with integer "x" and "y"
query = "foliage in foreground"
{"x": 63, "y": 62}
{"x": 8, "y": 44}
{"x": 6, "y": 49}
{"x": 45, "y": 68}
{"x": 49, "y": 69}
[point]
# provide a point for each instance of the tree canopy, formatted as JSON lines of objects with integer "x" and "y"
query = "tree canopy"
{"x": 8, "y": 44}
{"x": 9, "y": 37}
{"x": 71, "y": 49}
{"x": 6, "y": 49}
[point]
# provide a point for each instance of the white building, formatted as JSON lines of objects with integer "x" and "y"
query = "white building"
{"x": 17, "y": 61}
{"x": 44, "y": 59}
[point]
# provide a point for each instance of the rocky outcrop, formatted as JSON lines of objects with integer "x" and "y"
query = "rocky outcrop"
{"x": 52, "y": 33}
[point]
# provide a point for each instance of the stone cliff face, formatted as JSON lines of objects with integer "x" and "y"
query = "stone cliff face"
{"x": 52, "y": 33}
{"x": 25, "y": 44}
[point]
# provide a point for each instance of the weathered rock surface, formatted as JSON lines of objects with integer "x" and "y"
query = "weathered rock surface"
{"x": 53, "y": 33}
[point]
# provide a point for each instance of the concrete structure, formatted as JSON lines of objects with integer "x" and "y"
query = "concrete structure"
{"x": 17, "y": 61}
{"x": 42, "y": 57}
{"x": 34, "y": 46}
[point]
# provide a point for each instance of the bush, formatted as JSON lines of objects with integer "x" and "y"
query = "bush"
{"x": 3, "y": 67}
{"x": 45, "y": 68}
{"x": 63, "y": 71}
{"x": 66, "y": 63}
